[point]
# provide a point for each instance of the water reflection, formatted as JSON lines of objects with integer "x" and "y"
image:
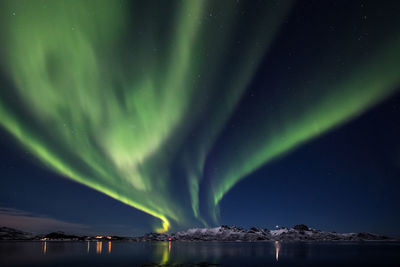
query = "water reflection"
{"x": 277, "y": 248}
{"x": 213, "y": 253}
{"x": 166, "y": 252}
{"x": 161, "y": 253}
{"x": 99, "y": 246}
{"x": 196, "y": 253}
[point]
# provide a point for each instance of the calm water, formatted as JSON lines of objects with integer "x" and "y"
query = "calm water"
{"x": 201, "y": 253}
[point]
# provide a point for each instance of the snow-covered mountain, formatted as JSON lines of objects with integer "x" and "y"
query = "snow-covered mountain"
{"x": 223, "y": 233}
{"x": 234, "y": 233}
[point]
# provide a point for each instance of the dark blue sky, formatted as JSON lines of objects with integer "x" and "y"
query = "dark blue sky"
{"x": 346, "y": 180}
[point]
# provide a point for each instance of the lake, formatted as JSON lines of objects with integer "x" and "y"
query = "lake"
{"x": 122, "y": 253}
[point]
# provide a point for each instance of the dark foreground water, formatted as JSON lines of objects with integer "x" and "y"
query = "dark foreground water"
{"x": 197, "y": 253}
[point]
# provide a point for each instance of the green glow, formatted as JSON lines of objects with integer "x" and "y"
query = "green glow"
{"x": 301, "y": 120}
{"x": 58, "y": 57}
{"x": 220, "y": 106}
{"x": 105, "y": 97}
{"x": 118, "y": 95}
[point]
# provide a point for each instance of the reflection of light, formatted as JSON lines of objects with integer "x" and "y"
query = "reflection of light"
{"x": 277, "y": 247}
{"x": 169, "y": 247}
{"x": 165, "y": 253}
{"x": 109, "y": 246}
{"x": 45, "y": 247}
{"x": 99, "y": 246}
{"x": 88, "y": 246}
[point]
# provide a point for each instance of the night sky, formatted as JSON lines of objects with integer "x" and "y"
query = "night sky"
{"x": 124, "y": 117}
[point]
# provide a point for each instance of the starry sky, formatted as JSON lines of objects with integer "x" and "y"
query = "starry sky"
{"x": 125, "y": 117}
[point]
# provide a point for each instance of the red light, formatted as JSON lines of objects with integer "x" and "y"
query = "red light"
{"x": 169, "y": 239}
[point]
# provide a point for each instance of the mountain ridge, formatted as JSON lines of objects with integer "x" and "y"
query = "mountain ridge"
{"x": 222, "y": 233}
{"x": 299, "y": 232}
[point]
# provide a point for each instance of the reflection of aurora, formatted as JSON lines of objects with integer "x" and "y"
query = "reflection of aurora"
{"x": 209, "y": 251}
{"x": 119, "y": 107}
{"x": 162, "y": 252}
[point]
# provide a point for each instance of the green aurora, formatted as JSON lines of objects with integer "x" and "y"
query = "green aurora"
{"x": 110, "y": 94}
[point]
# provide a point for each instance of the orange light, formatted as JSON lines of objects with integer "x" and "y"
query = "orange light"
{"x": 99, "y": 246}
{"x": 109, "y": 246}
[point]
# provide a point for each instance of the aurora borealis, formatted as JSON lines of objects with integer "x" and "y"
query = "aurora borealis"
{"x": 136, "y": 99}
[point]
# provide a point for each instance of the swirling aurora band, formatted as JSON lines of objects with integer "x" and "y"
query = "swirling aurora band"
{"x": 110, "y": 94}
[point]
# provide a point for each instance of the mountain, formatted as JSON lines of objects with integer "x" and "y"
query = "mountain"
{"x": 233, "y": 233}
{"x": 7, "y": 233}
{"x": 299, "y": 232}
